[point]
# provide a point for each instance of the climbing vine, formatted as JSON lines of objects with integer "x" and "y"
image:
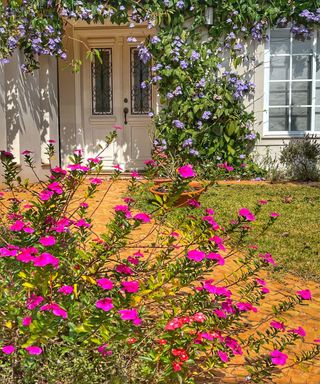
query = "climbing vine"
{"x": 194, "y": 62}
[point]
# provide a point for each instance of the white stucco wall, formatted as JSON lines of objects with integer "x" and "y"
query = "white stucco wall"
{"x": 29, "y": 111}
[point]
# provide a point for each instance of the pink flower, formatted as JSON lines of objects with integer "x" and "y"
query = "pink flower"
{"x": 104, "y": 351}
{"x": 105, "y": 283}
{"x": 278, "y": 325}
{"x": 233, "y": 345}
{"x": 55, "y": 187}
{"x": 174, "y": 324}
{"x": 219, "y": 242}
{"x": 244, "y": 307}
{"x": 45, "y": 195}
{"x": 47, "y": 241}
{"x": 34, "y": 350}
{"x": 263, "y": 202}
{"x": 215, "y": 290}
{"x": 305, "y": 294}
{"x": 95, "y": 181}
{"x": 84, "y": 205}
{"x": 105, "y": 304}
{"x": 196, "y": 255}
{"x": 26, "y": 321}
{"x": 122, "y": 268}
{"x": 274, "y": 214}
{"x": 26, "y": 152}
{"x": 193, "y": 203}
{"x": 130, "y": 315}
{"x": 216, "y": 256}
{"x": 56, "y": 310}
{"x": 150, "y": 162}
{"x": 223, "y": 356}
{"x": 8, "y": 251}
{"x": 51, "y": 141}
{"x": 34, "y": 301}
{"x": 298, "y": 331}
{"x": 78, "y": 167}
{"x": 142, "y": 217}
{"x": 278, "y": 358}
{"x": 261, "y": 282}
{"x": 199, "y": 317}
{"x": 95, "y": 160}
{"x": 117, "y": 167}
{"x": 82, "y": 223}
{"x": 46, "y": 259}
{"x": 8, "y": 349}
{"x": 267, "y": 258}
{"x": 66, "y": 290}
{"x": 247, "y": 214}
{"x": 134, "y": 174}
{"x": 117, "y": 126}
{"x": 130, "y": 286}
{"x": 17, "y": 226}
{"x": 186, "y": 171}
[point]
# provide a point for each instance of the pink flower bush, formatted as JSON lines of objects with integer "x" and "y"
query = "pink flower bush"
{"x": 186, "y": 171}
{"x": 162, "y": 302}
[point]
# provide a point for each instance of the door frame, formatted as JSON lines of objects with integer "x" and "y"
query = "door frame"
{"x": 100, "y": 36}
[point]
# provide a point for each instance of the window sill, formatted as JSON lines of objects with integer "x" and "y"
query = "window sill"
{"x": 286, "y": 135}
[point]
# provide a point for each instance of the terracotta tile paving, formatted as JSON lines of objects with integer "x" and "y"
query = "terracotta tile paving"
{"x": 307, "y": 316}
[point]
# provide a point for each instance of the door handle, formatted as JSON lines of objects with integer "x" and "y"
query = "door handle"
{"x": 125, "y": 111}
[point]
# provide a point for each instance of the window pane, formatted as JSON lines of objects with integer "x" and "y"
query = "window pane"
{"x": 301, "y": 93}
{"x": 279, "y": 68}
{"x": 102, "y": 83}
{"x": 300, "y": 119}
{"x": 140, "y": 97}
{"x": 278, "y": 119}
{"x": 302, "y": 46}
{"x": 301, "y": 67}
{"x": 280, "y": 41}
{"x": 317, "y": 124}
{"x": 279, "y": 94}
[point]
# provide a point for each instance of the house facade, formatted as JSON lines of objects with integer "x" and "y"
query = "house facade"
{"x": 78, "y": 110}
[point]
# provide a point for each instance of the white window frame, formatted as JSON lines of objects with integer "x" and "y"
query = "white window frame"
{"x": 288, "y": 134}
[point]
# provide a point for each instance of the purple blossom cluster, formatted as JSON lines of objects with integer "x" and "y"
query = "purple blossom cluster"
{"x": 240, "y": 87}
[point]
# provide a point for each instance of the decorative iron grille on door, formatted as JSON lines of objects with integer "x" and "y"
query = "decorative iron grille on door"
{"x": 141, "y": 96}
{"x": 101, "y": 74}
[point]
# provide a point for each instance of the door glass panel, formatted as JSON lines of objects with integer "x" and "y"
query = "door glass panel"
{"x": 278, "y": 119}
{"x": 302, "y": 46}
{"x": 141, "y": 94}
{"x": 300, "y": 119}
{"x": 101, "y": 73}
{"x": 301, "y": 67}
{"x": 279, "y": 93}
{"x": 301, "y": 92}
{"x": 280, "y": 41}
{"x": 279, "y": 68}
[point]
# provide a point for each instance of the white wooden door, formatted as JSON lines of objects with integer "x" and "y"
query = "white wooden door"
{"x": 113, "y": 98}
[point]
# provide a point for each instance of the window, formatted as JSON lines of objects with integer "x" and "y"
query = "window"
{"x": 292, "y": 83}
{"x": 141, "y": 96}
{"x": 101, "y": 74}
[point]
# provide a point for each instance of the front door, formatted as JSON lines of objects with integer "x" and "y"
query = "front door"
{"x": 113, "y": 98}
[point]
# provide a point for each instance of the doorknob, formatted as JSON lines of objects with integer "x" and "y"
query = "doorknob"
{"x": 125, "y": 111}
